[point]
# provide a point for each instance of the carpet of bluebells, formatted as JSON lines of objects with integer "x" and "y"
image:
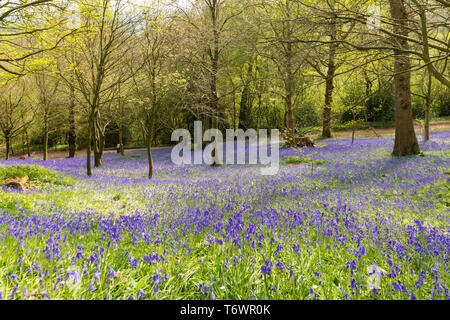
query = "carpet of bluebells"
{"x": 362, "y": 225}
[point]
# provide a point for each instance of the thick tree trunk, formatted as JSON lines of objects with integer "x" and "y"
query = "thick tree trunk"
{"x": 405, "y": 137}
{"x": 98, "y": 155}
{"x": 72, "y": 126}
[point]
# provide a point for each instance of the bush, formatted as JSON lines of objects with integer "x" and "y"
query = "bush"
{"x": 418, "y": 108}
{"x": 441, "y": 105}
{"x": 380, "y": 107}
{"x": 305, "y": 114}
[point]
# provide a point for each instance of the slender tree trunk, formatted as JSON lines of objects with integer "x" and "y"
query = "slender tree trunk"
{"x": 23, "y": 143}
{"x": 8, "y": 143}
{"x": 329, "y": 85}
{"x": 27, "y": 140}
{"x": 353, "y": 127}
{"x": 149, "y": 154}
{"x": 45, "y": 133}
{"x": 122, "y": 151}
{"x": 289, "y": 79}
{"x": 214, "y": 57}
{"x": 427, "y": 108}
{"x": 289, "y": 86}
{"x": 258, "y": 113}
{"x": 149, "y": 135}
{"x": 234, "y": 111}
{"x": 88, "y": 150}
{"x": 405, "y": 137}
{"x": 99, "y": 139}
{"x": 72, "y": 125}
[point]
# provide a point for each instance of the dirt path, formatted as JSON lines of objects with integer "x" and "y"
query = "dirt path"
{"x": 80, "y": 153}
{"x": 434, "y": 126}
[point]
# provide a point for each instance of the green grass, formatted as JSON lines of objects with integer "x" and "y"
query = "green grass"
{"x": 133, "y": 156}
{"x": 300, "y": 160}
{"x": 36, "y": 174}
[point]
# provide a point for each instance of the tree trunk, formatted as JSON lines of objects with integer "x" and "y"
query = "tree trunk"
{"x": 234, "y": 111}
{"x": 289, "y": 77}
{"x": 258, "y": 113}
{"x": 88, "y": 150}
{"x": 245, "y": 108}
{"x": 45, "y": 132}
{"x": 23, "y": 143}
{"x": 8, "y": 141}
{"x": 427, "y": 108}
{"x": 149, "y": 155}
{"x": 72, "y": 126}
{"x": 27, "y": 140}
{"x": 122, "y": 151}
{"x": 329, "y": 86}
{"x": 405, "y": 137}
{"x": 214, "y": 57}
{"x": 99, "y": 141}
{"x": 288, "y": 86}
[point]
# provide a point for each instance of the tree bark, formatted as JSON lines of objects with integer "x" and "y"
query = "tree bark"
{"x": 405, "y": 137}
{"x": 427, "y": 108}
{"x": 99, "y": 141}
{"x": 214, "y": 56}
{"x": 72, "y": 126}
{"x": 88, "y": 150}
{"x": 149, "y": 155}
{"x": 329, "y": 85}
{"x": 27, "y": 140}
{"x": 149, "y": 134}
{"x": 45, "y": 133}
{"x": 289, "y": 74}
{"x": 8, "y": 143}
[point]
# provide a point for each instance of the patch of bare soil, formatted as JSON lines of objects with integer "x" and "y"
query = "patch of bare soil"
{"x": 434, "y": 126}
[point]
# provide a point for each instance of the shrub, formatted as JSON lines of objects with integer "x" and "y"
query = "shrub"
{"x": 441, "y": 105}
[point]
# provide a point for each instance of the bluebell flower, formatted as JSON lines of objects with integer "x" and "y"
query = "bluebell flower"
{"x": 267, "y": 267}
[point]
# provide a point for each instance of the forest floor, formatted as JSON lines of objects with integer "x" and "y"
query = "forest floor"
{"x": 435, "y": 126}
{"x": 360, "y": 224}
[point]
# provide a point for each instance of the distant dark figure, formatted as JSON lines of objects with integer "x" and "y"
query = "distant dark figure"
{"x": 118, "y": 148}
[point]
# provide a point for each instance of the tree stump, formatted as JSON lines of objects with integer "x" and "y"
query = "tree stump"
{"x": 16, "y": 183}
{"x": 297, "y": 141}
